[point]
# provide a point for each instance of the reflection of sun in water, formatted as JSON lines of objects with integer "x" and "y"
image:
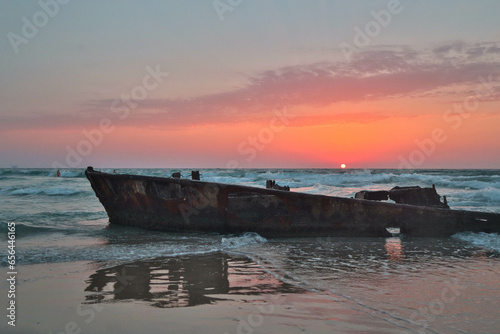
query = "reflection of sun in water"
{"x": 343, "y": 166}
{"x": 394, "y": 248}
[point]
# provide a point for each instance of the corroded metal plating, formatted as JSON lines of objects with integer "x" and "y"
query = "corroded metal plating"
{"x": 173, "y": 204}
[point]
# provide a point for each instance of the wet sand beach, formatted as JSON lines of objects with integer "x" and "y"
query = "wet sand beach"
{"x": 211, "y": 294}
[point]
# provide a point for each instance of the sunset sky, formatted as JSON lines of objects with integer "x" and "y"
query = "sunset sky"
{"x": 250, "y": 83}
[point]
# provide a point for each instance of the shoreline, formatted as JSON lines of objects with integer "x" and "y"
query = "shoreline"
{"x": 55, "y": 298}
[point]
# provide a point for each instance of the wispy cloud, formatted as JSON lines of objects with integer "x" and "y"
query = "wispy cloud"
{"x": 377, "y": 73}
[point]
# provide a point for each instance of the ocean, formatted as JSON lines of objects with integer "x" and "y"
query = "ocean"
{"x": 421, "y": 285}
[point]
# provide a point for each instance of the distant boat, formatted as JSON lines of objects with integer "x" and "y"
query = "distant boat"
{"x": 175, "y": 204}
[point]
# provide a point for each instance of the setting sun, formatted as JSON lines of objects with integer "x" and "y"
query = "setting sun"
{"x": 343, "y": 166}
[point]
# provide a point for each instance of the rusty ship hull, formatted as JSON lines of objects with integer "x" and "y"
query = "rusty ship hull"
{"x": 174, "y": 204}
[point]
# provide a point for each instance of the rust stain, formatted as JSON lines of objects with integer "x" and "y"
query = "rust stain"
{"x": 162, "y": 203}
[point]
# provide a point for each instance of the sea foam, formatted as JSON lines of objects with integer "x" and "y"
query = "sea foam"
{"x": 249, "y": 238}
{"x": 488, "y": 241}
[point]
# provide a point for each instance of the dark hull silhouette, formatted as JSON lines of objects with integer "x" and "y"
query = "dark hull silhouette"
{"x": 173, "y": 204}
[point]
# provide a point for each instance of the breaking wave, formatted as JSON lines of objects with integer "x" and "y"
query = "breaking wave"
{"x": 249, "y": 238}
{"x": 28, "y": 229}
{"x": 53, "y": 191}
{"x": 488, "y": 241}
{"x": 70, "y": 173}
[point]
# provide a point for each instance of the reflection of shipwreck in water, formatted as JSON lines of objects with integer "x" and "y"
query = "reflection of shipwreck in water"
{"x": 183, "y": 281}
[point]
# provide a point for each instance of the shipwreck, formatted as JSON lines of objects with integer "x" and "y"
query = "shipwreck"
{"x": 176, "y": 204}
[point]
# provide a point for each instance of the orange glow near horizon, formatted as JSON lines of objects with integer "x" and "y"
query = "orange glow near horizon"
{"x": 362, "y": 139}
